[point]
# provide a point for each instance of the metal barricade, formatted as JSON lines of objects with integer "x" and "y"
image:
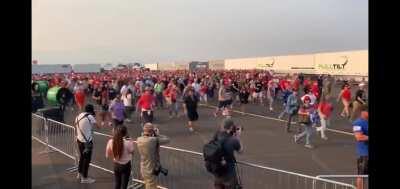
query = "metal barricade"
{"x": 349, "y": 179}
{"x": 186, "y": 168}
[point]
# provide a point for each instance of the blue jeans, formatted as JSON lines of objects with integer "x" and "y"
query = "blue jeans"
{"x": 173, "y": 108}
{"x": 308, "y": 130}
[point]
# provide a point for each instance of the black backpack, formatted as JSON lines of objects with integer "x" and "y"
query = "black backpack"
{"x": 213, "y": 153}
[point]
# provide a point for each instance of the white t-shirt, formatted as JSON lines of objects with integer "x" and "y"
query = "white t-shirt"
{"x": 86, "y": 126}
{"x": 196, "y": 87}
{"x": 124, "y": 89}
{"x": 127, "y": 100}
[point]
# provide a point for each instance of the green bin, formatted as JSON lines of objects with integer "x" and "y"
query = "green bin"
{"x": 52, "y": 95}
{"x": 42, "y": 86}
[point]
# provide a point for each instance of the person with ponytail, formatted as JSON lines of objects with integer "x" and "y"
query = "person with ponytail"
{"x": 120, "y": 148}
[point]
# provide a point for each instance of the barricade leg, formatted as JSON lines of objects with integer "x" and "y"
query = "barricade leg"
{"x": 47, "y": 149}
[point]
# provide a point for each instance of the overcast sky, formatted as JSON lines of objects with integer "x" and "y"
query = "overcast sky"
{"x": 99, "y": 31}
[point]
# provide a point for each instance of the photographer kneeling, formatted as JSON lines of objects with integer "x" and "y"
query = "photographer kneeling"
{"x": 148, "y": 146}
{"x": 220, "y": 158}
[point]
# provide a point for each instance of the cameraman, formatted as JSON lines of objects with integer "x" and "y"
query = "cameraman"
{"x": 231, "y": 134}
{"x": 148, "y": 146}
{"x": 84, "y": 123}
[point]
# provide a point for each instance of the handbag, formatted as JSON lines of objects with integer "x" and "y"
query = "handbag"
{"x": 88, "y": 145}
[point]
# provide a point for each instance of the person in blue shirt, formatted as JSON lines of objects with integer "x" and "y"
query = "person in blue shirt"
{"x": 360, "y": 129}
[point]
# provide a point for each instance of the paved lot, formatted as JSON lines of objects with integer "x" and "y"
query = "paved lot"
{"x": 265, "y": 140}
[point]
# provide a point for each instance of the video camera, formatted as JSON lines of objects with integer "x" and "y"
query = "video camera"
{"x": 159, "y": 170}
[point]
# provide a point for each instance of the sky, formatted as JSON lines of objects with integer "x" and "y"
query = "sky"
{"x": 150, "y": 31}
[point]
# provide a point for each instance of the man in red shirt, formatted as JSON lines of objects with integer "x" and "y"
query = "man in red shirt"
{"x": 324, "y": 109}
{"x": 146, "y": 103}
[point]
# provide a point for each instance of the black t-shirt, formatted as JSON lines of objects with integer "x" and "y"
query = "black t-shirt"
{"x": 360, "y": 94}
{"x": 64, "y": 95}
{"x": 234, "y": 87}
{"x": 231, "y": 145}
{"x": 97, "y": 94}
{"x": 244, "y": 97}
{"x": 258, "y": 86}
{"x": 191, "y": 103}
{"x": 112, "y": 93}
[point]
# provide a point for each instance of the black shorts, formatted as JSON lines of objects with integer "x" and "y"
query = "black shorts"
{"x": 362, "y": 165}
{"x": 224, "y": 103}
{"x": 147, "y": 118}
{"x": 193, "y": 115}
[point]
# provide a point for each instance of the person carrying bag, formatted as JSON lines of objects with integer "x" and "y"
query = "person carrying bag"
{"x": 84, "y": 123}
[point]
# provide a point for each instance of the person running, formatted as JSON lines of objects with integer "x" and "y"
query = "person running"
{"x": 258, "y": 92}
{"x": 190, "y": 108}
{"x": 145, "y": 105}
{"x": 170, "y": 95}
{"x": 158, "y": 89}
{"x": 325, "y": 109}
{"x": 244, "y": 98}
{"x": 105, "y": 101}
{"x": 271, "y": 94}
{"x": 359, "y": 102}
{"x": 291, "y": 108}
{"x": 345, "y": 96}
{"x": 360, "y": 129}
{"x": 203, "y": 92}
{"x": 120, "y": 148}
{"x": 224, "y": 98}
{"x": 117, "y": 111}
{"x": 128, "y": 106}
{"x": 304, "y": 118}
{"x": 80, "y": 97}
{"x": 285, "y": 94}
{"x": 64, "y": 96}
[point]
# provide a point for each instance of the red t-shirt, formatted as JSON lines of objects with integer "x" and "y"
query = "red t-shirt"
{"x": 145, "y": 101}
{"x": 326, "y": 108}
{"x": 80, "y": 97}
{"x": 346, "y": 94}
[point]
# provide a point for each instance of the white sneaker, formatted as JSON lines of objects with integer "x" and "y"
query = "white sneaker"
{"x": 309, "y": 146}
{"x": 271, "y": 109}
{"x": 191, "y": 129}
{"x": 325, "y": 138}
{"x": 102, "y": 123}
{"x": 295, "y": 139}
{"x": 87, "y": 180}
{"x": 78, "y": 176}
{"x": 128, "y": 120}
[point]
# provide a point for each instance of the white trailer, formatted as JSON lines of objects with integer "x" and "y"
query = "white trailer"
{"x": 51, "y": 68}
{"x": 86, "y": 68}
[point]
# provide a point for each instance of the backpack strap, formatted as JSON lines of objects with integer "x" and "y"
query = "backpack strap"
{"x": 80, "y": 130}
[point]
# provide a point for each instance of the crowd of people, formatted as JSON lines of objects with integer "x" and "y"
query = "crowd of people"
{"x": 118, "y": 94}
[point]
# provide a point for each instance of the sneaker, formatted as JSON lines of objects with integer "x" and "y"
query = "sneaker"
{"x": 271, "y": 109}
{"x": 109, "y": 124}
{"x": 102, "y": 124}
{"x": 87, "y": 180}
{"x": 128, "y": 120}
{"x": 191, "y": 129}
{"x": 78, "y": 176}
{"x": 325, "y": 138}
{"x": 309, "y": 146}
{"x": 318, "y": 128}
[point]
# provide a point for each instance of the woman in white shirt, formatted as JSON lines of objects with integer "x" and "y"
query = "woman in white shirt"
{"x": 120, "y": 148}
{"x": 129, "y": 108}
